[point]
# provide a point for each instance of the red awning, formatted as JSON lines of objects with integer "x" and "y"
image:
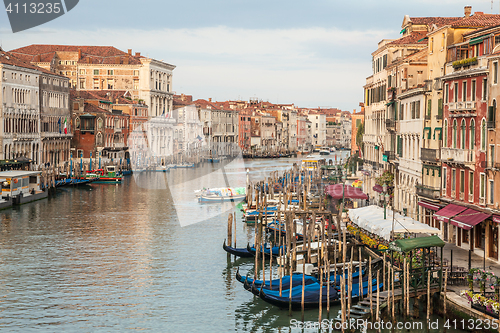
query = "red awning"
{"x": 378, "y": 188}
{"x": 495, "y": 218}
{"x": 338, "y": 191}
{"x": 450, "y": 210}
{"x": 469, "y": 219}
{"x": 429, "y": 205}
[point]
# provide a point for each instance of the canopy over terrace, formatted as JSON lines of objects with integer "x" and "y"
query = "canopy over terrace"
{"x": 371, "y": 218}
{"x": 406, "y": 245}
{"x": 419, "y": 275}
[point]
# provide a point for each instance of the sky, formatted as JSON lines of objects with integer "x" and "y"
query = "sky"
{"x": 311, "y": 53}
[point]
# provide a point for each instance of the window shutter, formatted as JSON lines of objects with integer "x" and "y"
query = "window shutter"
{"x": 440, "y": 108}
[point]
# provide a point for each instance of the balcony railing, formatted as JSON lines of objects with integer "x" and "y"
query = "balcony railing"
{"x": 461, "y": 107}
{"x": 464, "y": 157}
{"x": 390, "y": 124}
{"x": 428, "y": 191}
{"x": 490, "y": 124}
{"x": 429, "y": 155}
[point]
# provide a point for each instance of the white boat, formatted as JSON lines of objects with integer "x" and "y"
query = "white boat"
{"x": 324, "y": 152}
{"x": 221, "y": 194}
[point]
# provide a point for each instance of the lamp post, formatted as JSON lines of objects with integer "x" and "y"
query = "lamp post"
{"x": 385, "y": 195}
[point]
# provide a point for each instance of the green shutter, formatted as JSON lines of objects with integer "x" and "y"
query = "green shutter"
{"x": 429, "y": 106}
{"x": 440, "y": 108}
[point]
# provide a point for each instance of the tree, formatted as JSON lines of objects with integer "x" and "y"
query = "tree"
{"x": 359, "y": 136}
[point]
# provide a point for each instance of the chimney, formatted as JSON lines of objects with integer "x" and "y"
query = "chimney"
{"x": 79, "y": 54}
{"x": 479, "y": 13}
{"x": 467, "y": 11}
{"x": 129, "y": 51}
{"x": 210, "y": 99}
{"x": 117, "y": 60}
{"x": 182, "y": 97}
{"x": 138, "y": 54}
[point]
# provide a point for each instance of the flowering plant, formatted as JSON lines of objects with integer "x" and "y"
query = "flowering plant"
{"x": 478, "y": 299}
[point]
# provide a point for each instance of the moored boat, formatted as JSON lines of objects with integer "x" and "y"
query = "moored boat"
{"x": 239, "y": 252}
{"x": 109, "y": 176}
{"x": 221, "y": 194}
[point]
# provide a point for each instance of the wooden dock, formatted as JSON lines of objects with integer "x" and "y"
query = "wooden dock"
{"x": 366, "y": 307}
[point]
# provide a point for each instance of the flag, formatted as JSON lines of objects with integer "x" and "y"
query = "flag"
{"x": 199, "y": 138}
{"x": 59, "y": 123}
{"x": 65, "y": 126}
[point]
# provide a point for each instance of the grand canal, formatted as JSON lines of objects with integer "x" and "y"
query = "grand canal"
{"x": 115, "y": 258}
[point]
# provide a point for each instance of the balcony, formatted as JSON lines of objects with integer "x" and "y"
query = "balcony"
{"x": 390, "y": 124}
{"x": 490, "y": 165}
{"x": 428, "y": 191}
{"x": 465, "y": 157}
{"x": 429, "y": 155}
{"x": 490, "y": 124}
{"x": 389, "y": 155}
{"x": 462, "y": 107}
{"x": 427, "y": 85}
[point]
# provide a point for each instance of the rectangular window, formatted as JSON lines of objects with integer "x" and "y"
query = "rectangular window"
{"x": 464, "y": 91}
{"x": 444, "y": 178}
{"x": 485, "y": 89}
{"x": 96, "y": 72}
{"x": 417, "y": 110}
{"x": 96, "y": 83}
{"x": 453, "y": 180}
{"x": 82, "y": 71}
{"x": 446, "y": 93}
{"x": 455, "y": 93}
{"x": 110, "y": 72}
{"x": 482, "y": 189}
{"x": 473, "y": 91}
{"x": 471, "y": 183}
{"x": 82, "y": 84}
{"x": 495, "y": 72}
{"x": 462, "y": 181}
{"x": 492, "y": 192}
{"x": 110, "y": 83}
{"x": 136, "y": 84}
{"x": 136, "y": 73}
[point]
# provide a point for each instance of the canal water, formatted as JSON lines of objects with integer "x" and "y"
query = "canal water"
{"x": 114, "y": 258}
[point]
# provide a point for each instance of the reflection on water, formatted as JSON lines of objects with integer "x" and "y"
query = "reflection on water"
{"x": 115, "y": 258}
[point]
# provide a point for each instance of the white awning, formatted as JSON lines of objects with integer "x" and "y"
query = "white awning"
{"x": 371, "y": 219}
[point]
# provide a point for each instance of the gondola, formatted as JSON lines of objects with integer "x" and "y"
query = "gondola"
{"x": 311, "y": 295}
{"x": 239, "y": 252}
{"x": 267, "y": 251}
{"x": 285, "y": 281}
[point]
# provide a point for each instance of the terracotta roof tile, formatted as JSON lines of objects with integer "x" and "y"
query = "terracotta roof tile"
{"x": 438, "y": 21}
{"x": 89, "y": 107}
{"x": 479, "y": 19}
{"x": 8, "y": 58}
{"x": 412, "y": 38}
{"x": 94, "y": 54}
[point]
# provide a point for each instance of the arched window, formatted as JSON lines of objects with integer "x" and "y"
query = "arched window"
{"x": 98, "y": 139}
{"x": 472, "y": 135}
{"x": 99, "y": 124}
{"x": 462, "y": 135}
{"x": 77, "y": 123}
{"x": 445, "y": 133}
{"x": 483, "y": 134}
{"x": 454, "y": 133}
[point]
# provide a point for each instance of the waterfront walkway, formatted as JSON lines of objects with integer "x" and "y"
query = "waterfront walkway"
{"x": 461, "y": 259}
